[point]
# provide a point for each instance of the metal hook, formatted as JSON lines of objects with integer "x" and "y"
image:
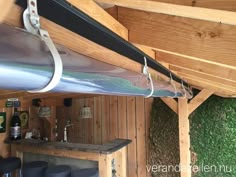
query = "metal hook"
{"x": 185, "y": 92}
{"x": 146, "y": 73}
{"x": 173, "y": 84}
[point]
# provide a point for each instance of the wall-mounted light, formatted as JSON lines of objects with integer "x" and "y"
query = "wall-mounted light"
{"x": 85, "y": 113}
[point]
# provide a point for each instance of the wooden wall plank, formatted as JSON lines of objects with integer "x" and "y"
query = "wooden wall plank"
{"x": 131, "y": 126}
{"x": 132, "y": 122}
{"x": 186, "y": 36}
{"x": 141, "y": 136}
{"x": 148, "y": 108}
{"x": 90, "y": 122}
{"x": 97, "y": 121}
{"x": 122, "y": 116}
{"x": 105, "y": 102}
{"x": 114, "y": 131}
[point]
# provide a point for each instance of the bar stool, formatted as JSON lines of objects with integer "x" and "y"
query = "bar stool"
{"x": 86, "y": 172}
{"x": 58, "y": 171}
{"x": 35, "y": 169}
{"x": 9, "y": 165}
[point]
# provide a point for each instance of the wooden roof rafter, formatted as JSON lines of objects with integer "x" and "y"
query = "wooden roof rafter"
{"x": 201, "y": 48}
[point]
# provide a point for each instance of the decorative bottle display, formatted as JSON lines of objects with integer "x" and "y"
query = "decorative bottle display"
{"x": 15, "y": 131}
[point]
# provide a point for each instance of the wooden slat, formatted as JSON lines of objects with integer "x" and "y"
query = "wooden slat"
{"x": 132, "y": 151}
{"x": 122, "y": 116}
{"x": 184, "y": 138}
{"x": 90, "y": 122}
{"x": 171, "y": 103}
{"x": 199, "y": 99}
{"x": 105, "y": 118}
{"x": 148, "y": 108}
{"x": 229, "y": 5}
{"x": 200, "y": 39}
{"x": 97, "y": 121}
{"x": 200, "y": 66}
{"x": 114, "y": 132}
{"x": 83, "y": 130}
{"x": 93, "y": 10}
{"x": 141, "y": 136}
{"x": 204, "y": 83}
{"x": 202, "y": 75}
{"x": 218, "y": 16}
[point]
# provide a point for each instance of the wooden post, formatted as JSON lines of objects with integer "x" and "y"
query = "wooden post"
{"x": 184, "y": 138}
{"x": 104, "y": 165}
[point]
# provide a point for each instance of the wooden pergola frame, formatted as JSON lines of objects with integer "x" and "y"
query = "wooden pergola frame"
{"x": 222, "y": 83}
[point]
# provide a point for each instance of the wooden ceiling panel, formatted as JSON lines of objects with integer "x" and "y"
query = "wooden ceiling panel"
{"x": 209, "y": 68}
{"x": 208, "y": 84}
{"x": 207, "y": 40}
{"x": 229, "y": 5}
{"x": 202, "y": 75}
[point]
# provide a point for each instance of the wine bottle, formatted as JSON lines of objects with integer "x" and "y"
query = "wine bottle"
{"x": 15, "y": 131}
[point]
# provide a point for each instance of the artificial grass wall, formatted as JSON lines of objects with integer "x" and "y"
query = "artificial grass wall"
{"x": 213, "y": 138}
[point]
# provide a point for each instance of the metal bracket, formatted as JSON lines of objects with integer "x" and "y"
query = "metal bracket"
{"x": 31, "y": 21}
{"x": 146, "y": 73}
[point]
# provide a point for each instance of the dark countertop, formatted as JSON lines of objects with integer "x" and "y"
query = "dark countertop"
{"x": 106, "y": 148}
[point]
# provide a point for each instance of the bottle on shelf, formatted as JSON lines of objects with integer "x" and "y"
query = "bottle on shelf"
{"x": 15, "y": 126}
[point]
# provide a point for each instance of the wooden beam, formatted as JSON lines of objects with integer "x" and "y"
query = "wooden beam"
{"x": 183, "y": 36}
{"x": 171, "y": 103}
{"x": 96, "y": 12}
{"x": 184, "y": 138}
{"x": 5, "y": 8}
{"x": 229, "y": 5}
{"x": 203, "y": 75}
{"x": 218, "y": 16}
{"x": 215, "y": 86}
{"x": 204, "y": 66}
{"x": 199, "y": 99}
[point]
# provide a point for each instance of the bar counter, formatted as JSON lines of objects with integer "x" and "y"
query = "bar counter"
{"x": 105, "y": 155}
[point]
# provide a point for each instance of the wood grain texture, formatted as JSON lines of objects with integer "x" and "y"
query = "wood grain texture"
{"x": 203, "y": 66}
{"x": 171, "y": 103}
{"x": 132, "y": 148}
{"x": 105, "y": 102}
{"x": 97, "y": 120}
{"x": 208, "y": 84}
{"x": 114, "y": 131}
{"x": 184, "y": 138}
{"x": 229, "y": 5}
{"x": 96, "y": 12}
{"x": 199, "y": 99}
{"x": 203, "y": 75}
{"x": 122, "y": 116}
{"x": 148, "y": 108}
{"x": 218, "y": 16}
{"x": 141, "y": 136}
{"x": 197, "y": 38}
